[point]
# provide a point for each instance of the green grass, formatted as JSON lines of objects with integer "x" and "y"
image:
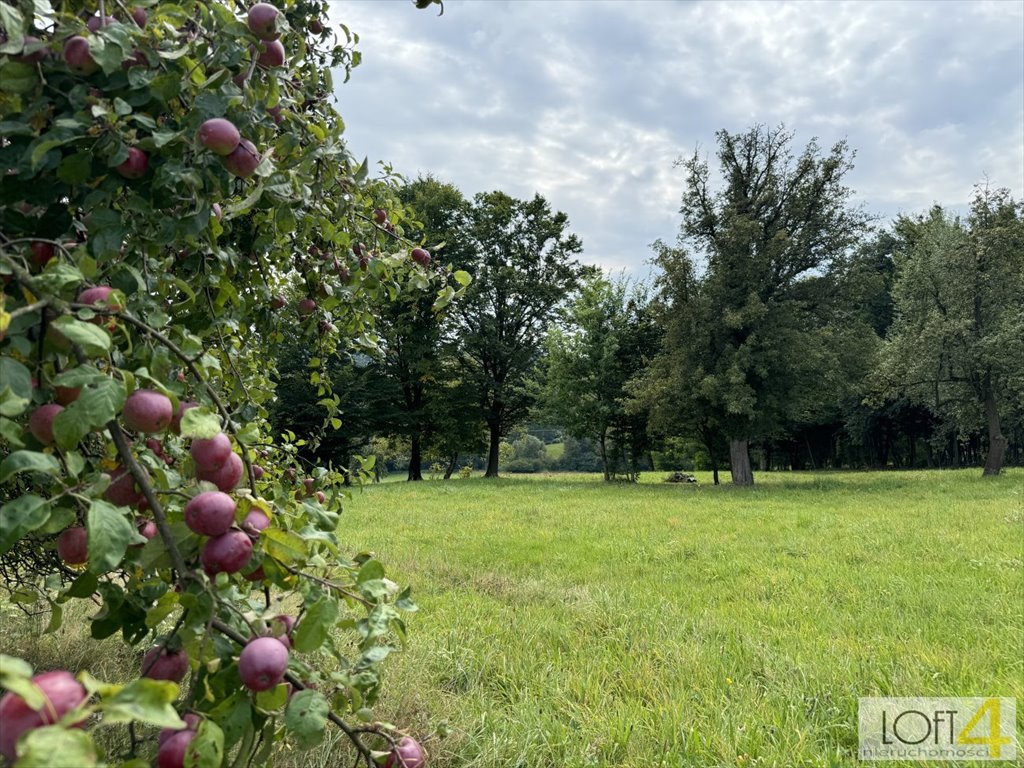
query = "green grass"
{"x": 567, "y": 622}
{"x": 554, "y": 451}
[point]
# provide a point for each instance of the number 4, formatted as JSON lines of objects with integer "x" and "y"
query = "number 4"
{"x": 994, "y": 740}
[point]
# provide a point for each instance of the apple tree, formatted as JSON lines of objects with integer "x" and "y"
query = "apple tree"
{"x": 176, "y": 200}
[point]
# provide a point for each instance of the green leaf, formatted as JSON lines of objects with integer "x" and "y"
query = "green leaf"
{"x": 97, "y": 404}
{"x": 15, "y": 387}
{"x": 274, "y": 699}
{"x": 284, "y": 546}
{"x": 200, "y": 422}
{"x": 144, "y": 700}
{"x": 306, "y": 718}
{"x": 234, "y": 715}
{"x": 316, "y": 625}
{"x": 56, "y": 747}
{"x": 93, "y": 340}
{"x": 17, "y": 77}
{"x": 206, "y": 750}
{"x": 110, "y": 533}
{"x": 18, "y": 517}
{"x": 372, "y": 569}
{"x": 28, "y": 461}
{"x": 16, "y": 676}
{"x": 462, "y": 277}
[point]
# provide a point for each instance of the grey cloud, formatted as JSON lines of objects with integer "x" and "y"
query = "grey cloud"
{"x": 590, "y": 103}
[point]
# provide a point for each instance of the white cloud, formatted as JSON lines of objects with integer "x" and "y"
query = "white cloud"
{"x": 589, "y": 103}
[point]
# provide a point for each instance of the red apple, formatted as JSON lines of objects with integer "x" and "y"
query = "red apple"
{"x": 147, "y": 411}
{"x": 41, "y": 252}
{"x": 272, "y": 55}
{"x": 263, "y": 21}
{"x": 121, "y": 490}
{"x": 192, "y": 722}
{"x": 40, "y": 423}
{"x": 139, "y": 16}
{"x": 262, "y": 663}
{"x": 72, "y": 545}
{"x": 307, "y": 306}
{"x": 420, "y": 256}
{"x": 242, "y": 162}
{"x": 36, "y": 55}
{"x": 95, "y": 22}
{"x": 227, "y": 476}
{"x": 278, "y": 301}
{"x": 380, "y": 215}
{"x": 407, "y": 753}
{"x": 78, "y": 57}
{"x": 228, "y": 552}
{"x": 67, "y": 395}
{"x": 63, "y": 693}
{"x": 172, "y": 752}
{"x": 314, "y": 26}
{"x": 210, "y": 455}
{"x": 161, "y": 664}
{"x": 147, "y": 529}
{"x": 210, "y": 513}
{"x": 255, "y": 521}
{"x": 218, "y": 135}
{"x": 97, "y": 295}
{"x": 135, "y": 166}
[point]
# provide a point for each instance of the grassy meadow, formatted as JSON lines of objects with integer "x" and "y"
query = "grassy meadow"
{"x": 566, "y": 622}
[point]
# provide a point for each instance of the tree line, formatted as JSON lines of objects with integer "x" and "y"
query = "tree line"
{"x": 784, "y": 329}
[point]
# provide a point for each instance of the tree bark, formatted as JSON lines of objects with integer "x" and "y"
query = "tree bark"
{"x": 604, "y": 455}
{"x": 996, "y": 440}
{"x": 415, "y": 459}
{"x": 739, "y": 463}
{"x": 493, "y": 453}
{"x": 452, "y": 463}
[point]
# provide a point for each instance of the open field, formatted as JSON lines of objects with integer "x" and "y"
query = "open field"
{"x": 567, "y": 622}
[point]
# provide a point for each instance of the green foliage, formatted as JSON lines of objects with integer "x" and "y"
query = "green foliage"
{"x": 109, "y": 183}
{"x": 607, "y": 338}
{"x": 744, "y": 347}
{"x": 956, "y": 344}
{"x": 524, "y": 270}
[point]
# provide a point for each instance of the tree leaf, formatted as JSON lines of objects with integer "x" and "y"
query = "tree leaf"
{"x": 206, "y": 750}
{"x": 15, "y": 387}
{"x": 306, "y": 718}
{"x": 145, "y": 700}
{"x": 284, "y": 546}
{"x": 54, "y": 746}
{"x": 18, "y": 517}
{"x": 93, "y": 340}
{"x": 97, "y": 404}
{"x": 200, "y": 422}
{"x": 28, "y": 461}
{"x": 316, "y": 625}
{"x": 110, "y": 533}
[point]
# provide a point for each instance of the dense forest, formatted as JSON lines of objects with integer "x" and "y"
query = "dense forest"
{"x": 784, "y": 329}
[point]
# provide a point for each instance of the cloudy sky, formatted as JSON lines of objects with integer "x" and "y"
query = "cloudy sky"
{"x": 590, "y": 102}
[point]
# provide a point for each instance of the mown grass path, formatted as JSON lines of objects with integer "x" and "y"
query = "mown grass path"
{"x": 567, "y": 622}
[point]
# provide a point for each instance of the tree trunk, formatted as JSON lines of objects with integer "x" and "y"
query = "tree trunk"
{"x": 996, "y": 440}
{"x": 602, "y": 443}
{"x": 452, "y": 462}
{"x": 739, "y": 463}
{"x": 492, "y": 454}
{"x": 415, "y": 459}
{"x": 714, "y": 471}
